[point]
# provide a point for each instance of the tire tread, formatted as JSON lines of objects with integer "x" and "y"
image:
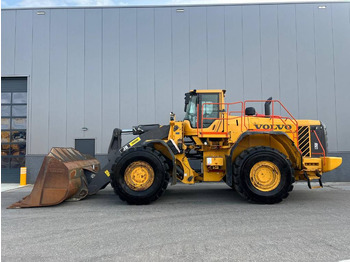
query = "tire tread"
{"x": 237, "y": 181}
{"x": 118, "y": 190}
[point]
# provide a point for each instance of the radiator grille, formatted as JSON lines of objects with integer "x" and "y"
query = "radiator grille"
{"x": 304, "y": 140}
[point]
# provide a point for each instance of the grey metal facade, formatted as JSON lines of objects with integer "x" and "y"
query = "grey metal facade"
{"x": 102, "y": 68}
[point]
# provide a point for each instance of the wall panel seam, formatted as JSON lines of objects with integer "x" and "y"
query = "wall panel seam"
{"x": 334, "y": 76}
{"x": 296, "y": 58}
{"x": 66, "y": 138}
{"x": 154, "y": 66}
{"x": 84, "y": 96}
{"x": 137, "y": 66}
{"x": 225, "y": 49}
{"x": 119, "y": 92}
{"x": 207, "y": 44}
{"x": 260, "y": 52}
{"x": 278, "y": 53}
{"x": 49, "y": 89}
{"x": 189, "y": 49}
{"x": 102, "y": 93}
{"x": 314, "y": 26}
{"x": 15, "y": 44}
{"x": 242, "y": 35}
{"x": 31, "y": 86}
{"x": 172, "y": 62}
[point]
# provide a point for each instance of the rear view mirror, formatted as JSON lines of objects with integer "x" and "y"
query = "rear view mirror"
{"x": 187, "y": 100}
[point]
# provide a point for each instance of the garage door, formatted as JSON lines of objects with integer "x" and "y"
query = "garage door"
{"x": 13, "y": 127}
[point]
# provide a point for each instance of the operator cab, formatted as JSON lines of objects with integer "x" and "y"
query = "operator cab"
{"x": 206, "y": 104}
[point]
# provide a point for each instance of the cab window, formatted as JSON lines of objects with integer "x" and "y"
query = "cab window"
{"x": 209, "y": 105}
{"x": 191, "y": 110}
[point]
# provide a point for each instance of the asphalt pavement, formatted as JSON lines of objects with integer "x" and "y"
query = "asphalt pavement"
{"x": 204, "y": 222}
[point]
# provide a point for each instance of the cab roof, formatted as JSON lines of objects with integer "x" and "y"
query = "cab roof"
{"x": 208, "y": 91}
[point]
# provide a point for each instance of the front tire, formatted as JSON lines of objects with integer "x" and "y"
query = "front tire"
{"x": 140, "y": 176}
{"x": 263, "y": 175}
{"x": 224, "y": 179}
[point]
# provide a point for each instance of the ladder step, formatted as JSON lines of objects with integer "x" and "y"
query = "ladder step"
{"x": 309, "y": 181}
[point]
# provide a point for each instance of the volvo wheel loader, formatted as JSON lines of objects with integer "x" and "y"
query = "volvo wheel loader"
{"x": 257, "y": 147}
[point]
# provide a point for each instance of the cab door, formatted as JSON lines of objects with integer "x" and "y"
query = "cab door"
{"x": 209, "y": 109}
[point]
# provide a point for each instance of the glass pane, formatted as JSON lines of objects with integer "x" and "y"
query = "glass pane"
{"x": 18, "y": 136}
{"x": 5, "y": 98}
{"x": 19, "y": 98}
{"x": 19, "y": 123}
{"x": 17, "y": 162}
{"x": 15, "y": 150}
{"x": 19, "y": 110}
{"x": 5, "y": 137}
{"x": 5, "y": 123}
{"x": 191, "y": 111}
{"x": 5, "y": 150}
{"x": 210, "y": 110}
{"x": 5, "y": 110}
{"x": 5, "y": 162}
{"x": 22, "y": 149}
{"x": 18, "y": 149}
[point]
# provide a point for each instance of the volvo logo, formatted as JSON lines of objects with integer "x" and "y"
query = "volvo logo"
{"x": 274, "y": 127}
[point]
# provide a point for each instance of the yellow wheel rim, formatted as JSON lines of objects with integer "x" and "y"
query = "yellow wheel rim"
{"x": 139, "y": 176}
{"x": 265, "y": 176}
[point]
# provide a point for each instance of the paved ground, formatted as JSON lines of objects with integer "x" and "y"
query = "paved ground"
{"x": 207, "y": 222}
{"x": 10, "y": 186}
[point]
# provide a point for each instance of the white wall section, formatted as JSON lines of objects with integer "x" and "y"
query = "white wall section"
{"x": 102, "y": 68}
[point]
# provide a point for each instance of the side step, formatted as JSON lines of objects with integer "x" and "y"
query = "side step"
{"x": 309, "y": 180}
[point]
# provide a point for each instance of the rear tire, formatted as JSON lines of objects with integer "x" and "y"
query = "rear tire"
{"x": 143, "y": 190}
{"x": 263, "y": 175}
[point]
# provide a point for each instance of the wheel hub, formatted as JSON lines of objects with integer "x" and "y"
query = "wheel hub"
{"x": 139, "y": 176}
{"x": 265, "y": 176}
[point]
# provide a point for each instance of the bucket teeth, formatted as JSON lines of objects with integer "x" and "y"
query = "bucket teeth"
{"x": 61, "y": 177}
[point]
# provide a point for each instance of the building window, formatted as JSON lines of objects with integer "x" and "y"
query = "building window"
{"x": 13, "y": 126}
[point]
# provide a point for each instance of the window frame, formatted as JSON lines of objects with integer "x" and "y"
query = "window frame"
{"x": 9, "y": 157}
{"x": 200, "y": 101}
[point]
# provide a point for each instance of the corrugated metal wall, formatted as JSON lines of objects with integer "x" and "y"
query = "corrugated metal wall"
{"x": 102, "y": 68}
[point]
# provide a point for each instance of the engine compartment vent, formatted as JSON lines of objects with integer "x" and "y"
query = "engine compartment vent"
{"x": 304, "y": 140}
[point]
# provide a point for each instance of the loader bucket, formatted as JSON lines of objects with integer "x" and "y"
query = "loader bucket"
{"x": 61, "y": 178}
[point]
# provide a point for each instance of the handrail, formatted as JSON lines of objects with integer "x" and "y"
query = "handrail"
{"x": 273, "y": 108}
{"x": 221, "y": 116}
{"x": 241, "y": 114}
{"x": 273, "y": 116}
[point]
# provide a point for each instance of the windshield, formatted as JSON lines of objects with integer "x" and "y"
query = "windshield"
{"x": 191, "y": 111}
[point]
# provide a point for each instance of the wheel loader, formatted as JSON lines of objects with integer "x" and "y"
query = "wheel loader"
{"x": 256, "y": 147}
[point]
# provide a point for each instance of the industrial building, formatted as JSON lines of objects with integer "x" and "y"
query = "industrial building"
{"x": 71, "y": 75}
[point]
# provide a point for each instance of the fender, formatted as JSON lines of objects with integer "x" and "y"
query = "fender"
{"x": 102, "y": 178}
{"x": 161, "y": 132}
{"x": 162, "y": 147}
{"x": 280, "y": 137}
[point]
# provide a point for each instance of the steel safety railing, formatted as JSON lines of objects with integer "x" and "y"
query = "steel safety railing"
{"x": 225, "y": 114}
{"x": 283, "y": 119}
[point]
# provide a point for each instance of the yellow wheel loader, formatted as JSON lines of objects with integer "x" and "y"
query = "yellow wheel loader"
{"x": 256, "y": 146}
